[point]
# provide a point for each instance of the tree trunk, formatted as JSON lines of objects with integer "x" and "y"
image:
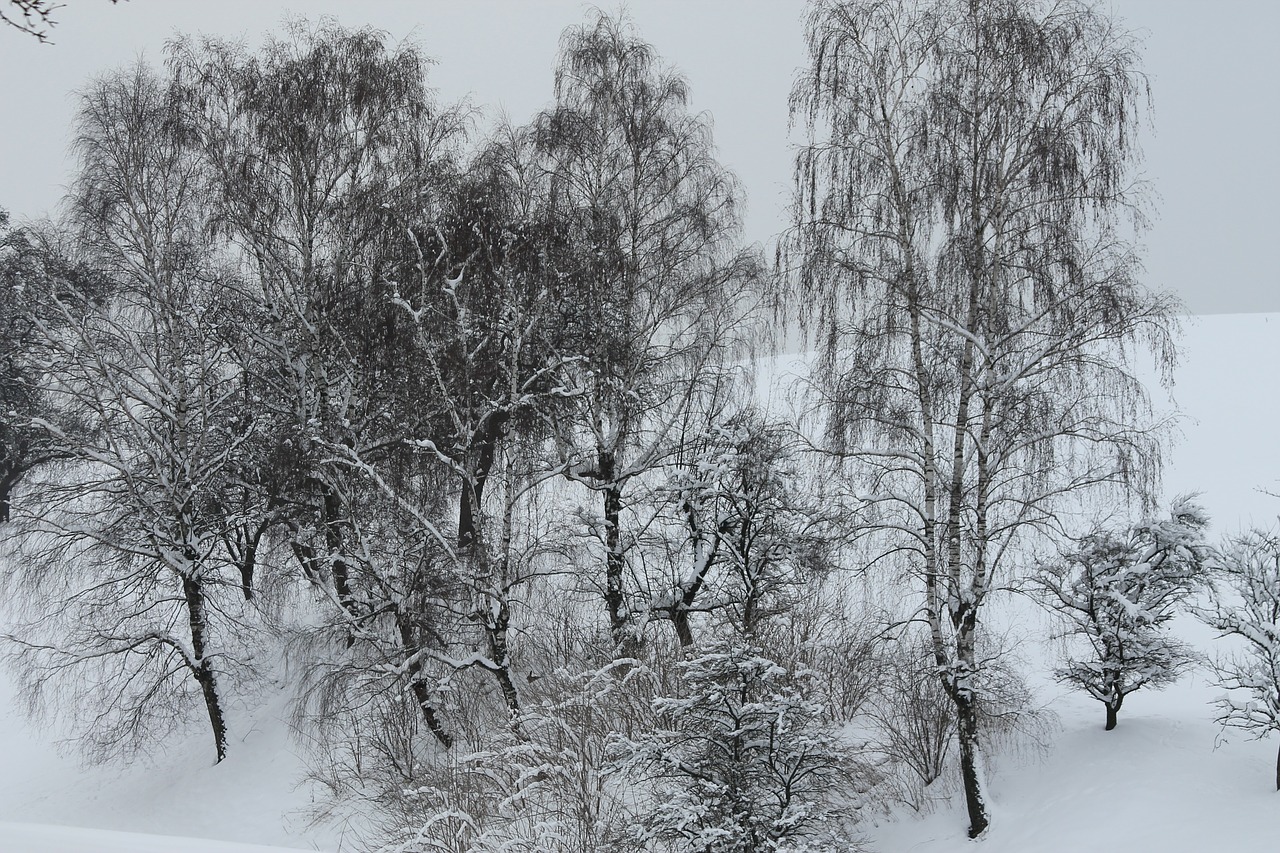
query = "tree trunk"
{"x": 497, "y": 632}
{"x": 246, "y": 556}
{"x": 421, "y": 693}
{"x": 485, "y": 445}
{"x": 10, "y": 474}
{"x": 423, "y": 696}
{"x": 1112, "y": 710}
{"x": 684, "y": 631}
{"x": 614, "y": 562}
{"x": 202, "y": 671}
{"x": 967, "y": 733}
{"x": 333, "y": 541}
{"x": 1278, "y": 769}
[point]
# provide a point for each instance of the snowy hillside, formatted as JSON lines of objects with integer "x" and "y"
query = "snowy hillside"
{"x": 1166, "y": 779}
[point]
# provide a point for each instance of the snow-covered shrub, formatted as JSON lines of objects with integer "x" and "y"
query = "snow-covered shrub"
{"x": 545, "y": 786}
{"x": 1249, "y": 608}
{"x": 1117, "y": 590}
{"x": 744, "y": 760}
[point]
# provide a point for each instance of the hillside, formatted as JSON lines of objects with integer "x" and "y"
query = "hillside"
{"x": 1166, "y": 779}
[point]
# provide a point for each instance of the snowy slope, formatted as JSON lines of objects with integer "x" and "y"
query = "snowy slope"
{"x": 1164, "y": 780}
{"x": 37, "y": 838}
{"x": 254, "y": 796}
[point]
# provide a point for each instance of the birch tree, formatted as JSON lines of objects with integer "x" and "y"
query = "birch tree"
{"x": 652, "y": 218}
{"x": 312, "y": 148}
{"x": 962, "y": 199}
{"x": 124, "y": 569}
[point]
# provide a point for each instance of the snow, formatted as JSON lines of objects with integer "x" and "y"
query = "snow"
{"x": 38, "y": 838}
{"x": 1167, "y": 779}
{"x": 255, "y": 796}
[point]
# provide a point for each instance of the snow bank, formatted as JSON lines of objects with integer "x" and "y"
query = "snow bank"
{"x": 37, "y": 838}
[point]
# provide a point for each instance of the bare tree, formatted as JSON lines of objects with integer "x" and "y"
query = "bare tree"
{"x": 478, "y": 286}
{"x": 314, "y": 148}
{"x": 1248, "y": 609}
{"x": 754, "y": 539}
{"x": 957, "y": 228}
{"x": 34, "y": 261}
{"x": 124, "y": 536}
{"x": 652, "y": 218}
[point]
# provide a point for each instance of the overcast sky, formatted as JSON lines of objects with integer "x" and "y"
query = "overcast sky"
{"x": 1214, "y": 69}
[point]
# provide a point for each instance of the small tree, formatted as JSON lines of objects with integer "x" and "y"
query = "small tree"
{"x": 755, "y": 537}
{"x": 1249, "y": 608}
{"x": 1117, "y": 590}
{"x": 744, "y": 761}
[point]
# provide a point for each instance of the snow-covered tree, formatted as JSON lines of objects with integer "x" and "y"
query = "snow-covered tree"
{"x": 123, "y": 569}
{"x": 547, "y": 786}
{"x": 744, "y": 760}
{"x": 752, "y": 536}
{"x": 961, "y": 211}
{"x": 1246, "y": 606}
{"x": 314, "y": 149}
{"x": 1117, "y": 591}
{"x": 33, "y": 263}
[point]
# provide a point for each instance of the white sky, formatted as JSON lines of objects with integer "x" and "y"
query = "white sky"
{"x": 1213, "y": 65}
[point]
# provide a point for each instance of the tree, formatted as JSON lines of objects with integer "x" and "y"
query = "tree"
{"x": 743, "y": 759}
{"x": 1248, "y": 609}
{"x": 479, "y": 284}
{"x": 650, "y": 217}
{"x": 957, "y": 232}
{"x": 314, "y": 149}
{"x": 1118, "y": 590}
{"x": 33, "y": 262}
{"x": 753, "y": 537}
{"x": 124, "y": 562}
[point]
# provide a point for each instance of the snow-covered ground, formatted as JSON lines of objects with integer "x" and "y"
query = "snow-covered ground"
{"x": 254, "y": 797}
{"x": 43, "y": 838}
{"x": 1167, "y": 779}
